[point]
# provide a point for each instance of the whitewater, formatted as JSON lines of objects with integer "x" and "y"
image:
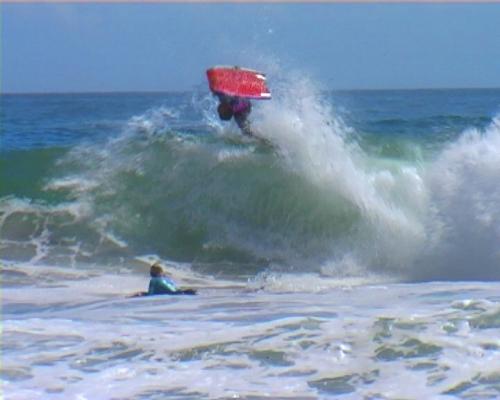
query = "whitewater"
{"x": 351, "y": 250}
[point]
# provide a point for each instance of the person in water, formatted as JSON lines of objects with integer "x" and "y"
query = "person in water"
{"x": 160, "y": 283}
{"x": 235, "y": 107}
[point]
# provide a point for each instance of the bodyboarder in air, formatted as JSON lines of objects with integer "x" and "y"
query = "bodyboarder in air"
{"x": 237, "y": 108}
{"x": 234, "y": 87}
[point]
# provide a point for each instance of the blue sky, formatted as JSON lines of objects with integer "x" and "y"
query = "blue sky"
{"x": 156, "y": 47}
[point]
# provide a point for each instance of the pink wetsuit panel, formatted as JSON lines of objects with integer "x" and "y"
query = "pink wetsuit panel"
{"x": 240, "y": 105}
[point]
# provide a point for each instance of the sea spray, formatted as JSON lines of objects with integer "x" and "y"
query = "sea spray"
{"x": 464, "y": 233}
{"x": 316, "y": 143}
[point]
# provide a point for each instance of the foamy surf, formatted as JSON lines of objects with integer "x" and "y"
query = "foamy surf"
{"x": 437, "y": 340}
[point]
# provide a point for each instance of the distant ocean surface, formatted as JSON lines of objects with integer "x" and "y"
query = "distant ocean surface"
{"x": 351, "y": 250}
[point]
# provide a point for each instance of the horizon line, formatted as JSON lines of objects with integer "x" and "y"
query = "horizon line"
{"x": 111, "y": 92}
{"x": 251, "y": 1}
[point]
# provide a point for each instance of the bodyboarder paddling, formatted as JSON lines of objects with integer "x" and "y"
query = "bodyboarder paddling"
{"x": 161, "y": 283}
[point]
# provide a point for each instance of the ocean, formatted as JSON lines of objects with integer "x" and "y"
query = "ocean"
{"x": 351, "y": 250}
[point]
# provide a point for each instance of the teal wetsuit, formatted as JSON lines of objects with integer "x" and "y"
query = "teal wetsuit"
{"x": 162, "y": 285}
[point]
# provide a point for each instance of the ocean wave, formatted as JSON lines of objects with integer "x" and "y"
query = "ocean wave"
{"x": 318, "y": 200}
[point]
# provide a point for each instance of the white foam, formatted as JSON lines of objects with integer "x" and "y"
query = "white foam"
{"x": 155, "y": 120}
{"x": 41, "y": 215}
{"x": 72, "y": 183}
{"x": 315, "y": 142}
{"x": 466, "y": 206}
{"x": 358, "y": 342}
{"x": 225, "y": 155}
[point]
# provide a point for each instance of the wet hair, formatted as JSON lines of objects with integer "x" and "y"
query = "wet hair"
{"x": 156, "y": 270}
{"x": 225, "y": 111}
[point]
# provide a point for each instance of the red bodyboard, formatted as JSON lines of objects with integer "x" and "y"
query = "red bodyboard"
{"x": 240, "y": 82}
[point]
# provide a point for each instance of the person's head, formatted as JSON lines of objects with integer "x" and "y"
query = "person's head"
{"x": 225, "y": 111}
{"x": 156, "y": 270}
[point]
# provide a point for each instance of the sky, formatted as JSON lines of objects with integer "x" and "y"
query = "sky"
{"x": 167, "y": 47}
